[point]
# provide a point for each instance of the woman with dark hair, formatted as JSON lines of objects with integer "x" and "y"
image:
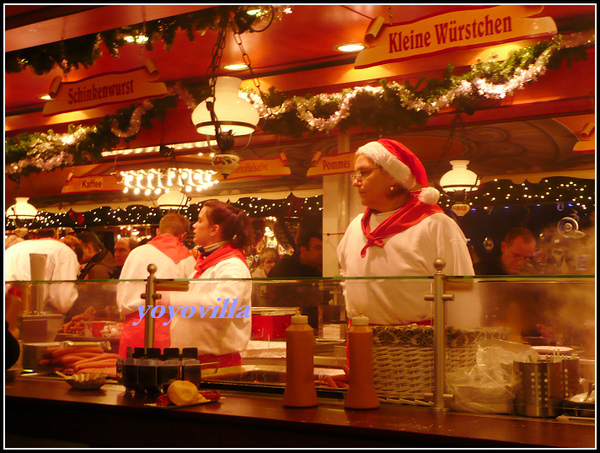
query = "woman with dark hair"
{"x": 214, "y": 315}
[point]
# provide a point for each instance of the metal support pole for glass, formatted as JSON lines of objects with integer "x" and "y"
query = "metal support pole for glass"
{"x": 439, "y": 333}
{"x": 152, "y": 286}
{"x": 150, "y": 296}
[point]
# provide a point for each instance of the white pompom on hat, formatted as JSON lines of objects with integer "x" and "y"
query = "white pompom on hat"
{"x": 402, "y": 165}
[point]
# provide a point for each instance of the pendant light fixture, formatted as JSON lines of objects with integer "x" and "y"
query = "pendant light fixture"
{"x": 460, "y": 178}
{"x": 22, "y": 213}
{"x": 225, "y": 115}
{"x": 458, "y": 183}
{"x": 234, "y": 114}
{"x": 173, "y": 200}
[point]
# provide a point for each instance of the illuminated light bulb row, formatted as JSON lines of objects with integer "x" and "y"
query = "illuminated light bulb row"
{"x": 158, "y": 181}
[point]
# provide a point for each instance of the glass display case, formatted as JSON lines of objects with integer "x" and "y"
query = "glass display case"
{"x": 486, "y": 321}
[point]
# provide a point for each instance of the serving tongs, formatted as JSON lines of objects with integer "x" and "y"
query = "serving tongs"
{"x": 62, "y": 375}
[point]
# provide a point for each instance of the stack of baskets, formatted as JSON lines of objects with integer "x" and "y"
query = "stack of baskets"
{"x": 403, "y": 359}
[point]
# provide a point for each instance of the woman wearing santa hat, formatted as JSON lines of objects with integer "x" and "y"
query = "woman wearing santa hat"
{"x": 401, "y": 233}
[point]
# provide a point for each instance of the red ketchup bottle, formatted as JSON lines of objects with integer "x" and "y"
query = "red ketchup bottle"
{"x": 361, "y": 390}
{"x": 300, "y": 390}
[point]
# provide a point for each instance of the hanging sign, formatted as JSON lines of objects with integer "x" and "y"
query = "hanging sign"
{"x": 261, "y": 168}
{"x": 331, "y": 165}
{"x": 95, "y": 183}
{"x": 105, "y": 89}
{"x": 456, "y": 30}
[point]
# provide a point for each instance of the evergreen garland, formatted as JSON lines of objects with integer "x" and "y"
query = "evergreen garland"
{"x": 84, "y": 50}
{"x": 388, "y": 109}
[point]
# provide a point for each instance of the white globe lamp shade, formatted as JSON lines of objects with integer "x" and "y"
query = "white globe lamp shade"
{"x": 460, "y": 178}
{"x": 173, "y": 199}
{"x": 21, "y": 210}
{"x": 233, "y": 113}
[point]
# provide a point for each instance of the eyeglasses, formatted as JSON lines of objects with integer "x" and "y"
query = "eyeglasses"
{"x": 359, "y": 175}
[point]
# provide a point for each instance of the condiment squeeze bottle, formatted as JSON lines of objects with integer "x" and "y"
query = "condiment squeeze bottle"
{"x": 361, "y": 390}
{"x": 300, "y": 390}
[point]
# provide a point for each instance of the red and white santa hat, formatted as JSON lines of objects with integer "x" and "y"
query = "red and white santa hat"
{"x": 402, "y": 165}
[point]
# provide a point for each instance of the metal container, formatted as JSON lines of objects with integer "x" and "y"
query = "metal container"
{"x": 541, "y": 390}
{"x": 33, "y": 353}
{"x": 40, "y": 328}
{"x": 572, "y": 383}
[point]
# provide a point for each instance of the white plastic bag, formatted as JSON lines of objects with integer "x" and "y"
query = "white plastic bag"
{"x": 490, "y": 386}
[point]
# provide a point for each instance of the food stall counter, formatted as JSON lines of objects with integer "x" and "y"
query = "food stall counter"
{"x": 49, "y": 409}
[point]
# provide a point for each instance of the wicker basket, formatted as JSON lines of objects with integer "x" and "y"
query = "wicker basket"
{"x": 403, "y": 359}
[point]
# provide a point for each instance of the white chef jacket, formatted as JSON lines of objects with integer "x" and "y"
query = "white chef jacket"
{"x": 136, "y": 268}
{"x": 411, "y": 252}
{"x": 61, "y": 264}
{"x": 215, "y": 335}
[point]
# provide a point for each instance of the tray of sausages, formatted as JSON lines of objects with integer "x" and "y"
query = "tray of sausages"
{"x": 83, "y": 358}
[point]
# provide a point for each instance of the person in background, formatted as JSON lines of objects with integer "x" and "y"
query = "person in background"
{"x": 401, "y": 233}
{"x": 17, "y": 236}
{"x": 12, "y": 240}
{"x": 61, "y": 264}
{"x": 521, "y": 309}
{"x": 259, "y": 226}
{"x": 95, "y": 298}
{"x": 306, "y": 262}
{"x": 225, "y": 234}
{"x": 99, "y": 263}
{"x": 266, "y": 260}
{"x": 515, "y": 258}
{"x": 172, "y": 260}
{"x": 76, "y": 245}
{"x": 122, "y": 249}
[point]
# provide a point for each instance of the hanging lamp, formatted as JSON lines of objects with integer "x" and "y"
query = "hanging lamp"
{"x": 173, "y": 200}
{"x": 224, "y": 114}
{"x": 21, "y": 212}
{"x": 458, "y": 183}
{"x": 234, "y": 114}
{"x": 460, "y": 178}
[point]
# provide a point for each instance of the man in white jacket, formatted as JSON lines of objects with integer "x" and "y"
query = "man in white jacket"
{"x": 172, "y": 259}
{"x": 400, "y": 234}
{"x": 61, "y": 264}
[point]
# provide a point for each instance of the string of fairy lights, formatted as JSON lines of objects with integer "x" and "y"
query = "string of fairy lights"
{"x": 149, "y": 215}
{"x": 505, "y": 193}
{"x": 557, "y": 190}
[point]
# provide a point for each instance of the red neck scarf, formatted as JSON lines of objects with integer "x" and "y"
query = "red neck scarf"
{"x": 222, "y": 253}
{"x": 171, "y": 246}
{"x": 408, "y": 215}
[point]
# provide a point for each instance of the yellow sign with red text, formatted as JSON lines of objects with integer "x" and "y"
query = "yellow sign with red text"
{"x": 332, "y": 165}
{"x": 95, "y": 183}
{"x": 105, "y": 89}
{"x": 457, "y": 30}
{"x": 260, "y": 168}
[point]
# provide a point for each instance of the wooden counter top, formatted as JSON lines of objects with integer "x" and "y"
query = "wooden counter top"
{"x": 110, "y": 417}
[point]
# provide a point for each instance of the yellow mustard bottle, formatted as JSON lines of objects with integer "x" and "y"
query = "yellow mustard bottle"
{"x": 300, "y": 390}
{"x": 361, "y": 389}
